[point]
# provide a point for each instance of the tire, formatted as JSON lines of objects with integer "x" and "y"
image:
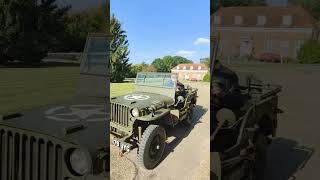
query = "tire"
{"x": 189, "y": 119}
{"x": 152, "y": 146}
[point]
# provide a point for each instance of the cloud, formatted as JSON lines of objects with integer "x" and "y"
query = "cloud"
{"x": 184, "y": 53}
{"x": 202, "y": 41}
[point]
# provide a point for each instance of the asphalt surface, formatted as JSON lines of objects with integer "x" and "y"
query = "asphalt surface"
{"x": 295, "y": 153}
{"x": 187, "y": 153}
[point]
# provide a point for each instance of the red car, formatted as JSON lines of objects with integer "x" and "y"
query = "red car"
{"x": 268, "y": 57}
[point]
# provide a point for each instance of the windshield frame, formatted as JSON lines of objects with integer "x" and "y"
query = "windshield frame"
{"x": 165, "y": 76}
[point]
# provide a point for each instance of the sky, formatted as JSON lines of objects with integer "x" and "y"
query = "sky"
{"x": 156, "y": 28}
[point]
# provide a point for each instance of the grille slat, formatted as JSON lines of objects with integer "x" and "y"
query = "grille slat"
{"x": 4, "y": 159}
{"x": 20, "y": 170}
{"x": 10, "y": 155}
{"x": 29, "y": 158}
{"x": 35, "y": 157}
{"x": 120, "y": 114}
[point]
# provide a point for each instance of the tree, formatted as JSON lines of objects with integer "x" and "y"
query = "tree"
{"x": 28, "y": 28}
{"x": 168, "y": 62}
{"x": 119, "y": 49}
{"x": 309, "y": 53}
{"x": 79, "y": 24}
{"x": 143, "y": 67}
{"x": 205, "y": 61}
{"x": 313, "y": 6}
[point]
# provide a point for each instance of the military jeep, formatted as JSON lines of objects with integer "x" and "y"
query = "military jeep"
{"x": 239, "y": 142}
{"x": 67, "y": 140}
{"x": 140, "y": 119}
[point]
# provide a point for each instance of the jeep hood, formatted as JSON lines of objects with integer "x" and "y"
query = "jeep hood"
{"x": 142, "y": 100}
{"x": 62, "y": 121}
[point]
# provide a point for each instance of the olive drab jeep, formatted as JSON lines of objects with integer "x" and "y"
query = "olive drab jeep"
{"x": 240, "y": 140}
{"x": 67, "y": 140}
{"x": 140, "y": 119}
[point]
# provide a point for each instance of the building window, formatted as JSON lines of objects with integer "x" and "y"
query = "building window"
{"x": 184, "y": 67}
{"x": 268, "y": 47}
{"x": 199, "y": 68}
{"x": 191, "y": 67}
{"x": 238, "y": 20}
{"x": 261, "y": 20}
{"x": 287, "y": 20}
{"x": 217, "y": 19}
{"x": 284, "y": 48}
{"x": 178, "y": 68}
{"x": 298, "y": 45}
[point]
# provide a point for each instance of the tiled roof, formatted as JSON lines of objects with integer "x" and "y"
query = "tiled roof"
{"x": 190, "y": 67}
{"x": 301, "y": 18}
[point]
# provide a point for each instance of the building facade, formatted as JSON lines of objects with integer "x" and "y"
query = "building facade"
{"x": 192, "y": 72}
{"x": 248, "y": 31}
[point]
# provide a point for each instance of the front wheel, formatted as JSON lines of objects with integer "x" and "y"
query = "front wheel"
{"x": 152, "y": 146}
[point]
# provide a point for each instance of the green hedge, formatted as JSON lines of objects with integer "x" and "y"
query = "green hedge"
{"x": 206, "y": 78}
{"x": 309, "y": 52}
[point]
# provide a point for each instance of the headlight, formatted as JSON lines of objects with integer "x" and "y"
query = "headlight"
{"x": 135, "y": 112}
{"x": 79, "y": 162}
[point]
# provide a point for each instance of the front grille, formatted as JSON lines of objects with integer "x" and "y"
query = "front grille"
{"x": 120, "y": 114}
{"x": 26, "y": 157}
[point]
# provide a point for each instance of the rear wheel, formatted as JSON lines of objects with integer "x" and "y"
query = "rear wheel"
{"x": 152, "y": 146}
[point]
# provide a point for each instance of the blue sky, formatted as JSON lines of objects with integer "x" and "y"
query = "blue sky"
{"x": 156, "y": 28}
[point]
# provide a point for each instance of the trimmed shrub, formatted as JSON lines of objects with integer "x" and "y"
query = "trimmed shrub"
{"x": 206, "y": 78}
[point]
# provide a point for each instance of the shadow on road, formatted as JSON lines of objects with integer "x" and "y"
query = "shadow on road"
{"x": 285, "y": 158}
{"x": 181, "y": 131}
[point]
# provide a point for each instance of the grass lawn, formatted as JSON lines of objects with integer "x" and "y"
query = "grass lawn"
{"x": 118, "y": 89}
{"x": 26, "y": 88}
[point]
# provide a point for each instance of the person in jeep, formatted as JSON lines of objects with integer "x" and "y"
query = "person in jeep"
{"x": 224, "y": 90}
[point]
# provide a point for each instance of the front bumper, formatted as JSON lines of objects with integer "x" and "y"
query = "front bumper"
{"x": 122, "y": 144}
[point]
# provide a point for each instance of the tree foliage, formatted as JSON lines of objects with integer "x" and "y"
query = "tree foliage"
{"x": 119, "y": 49}
{"x": 143, "y": 67}
{"x": 309, "y": 52}
{"x": 205, "y": 61}
{"x": 313, "y": 6}
{"x": 29, "y": 28}
{"x": 166, "y": 63}
{"x": 79, "y": 24}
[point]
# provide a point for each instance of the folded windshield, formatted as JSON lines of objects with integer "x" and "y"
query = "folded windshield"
{"x": 165, "y": 80}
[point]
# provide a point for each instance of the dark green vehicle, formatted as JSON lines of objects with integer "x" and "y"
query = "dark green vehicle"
{"x": 63, "y": 141}
{"x": 140, "y": 119}
{"x": 240, "y": 141}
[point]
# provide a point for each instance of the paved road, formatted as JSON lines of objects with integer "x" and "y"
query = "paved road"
{"x": 295, "y": 154}
{"x": 187, "y": 152}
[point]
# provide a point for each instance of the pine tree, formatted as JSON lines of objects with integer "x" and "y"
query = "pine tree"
{"x": 29, "y": 28}
{"x": 119, "y": 49}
